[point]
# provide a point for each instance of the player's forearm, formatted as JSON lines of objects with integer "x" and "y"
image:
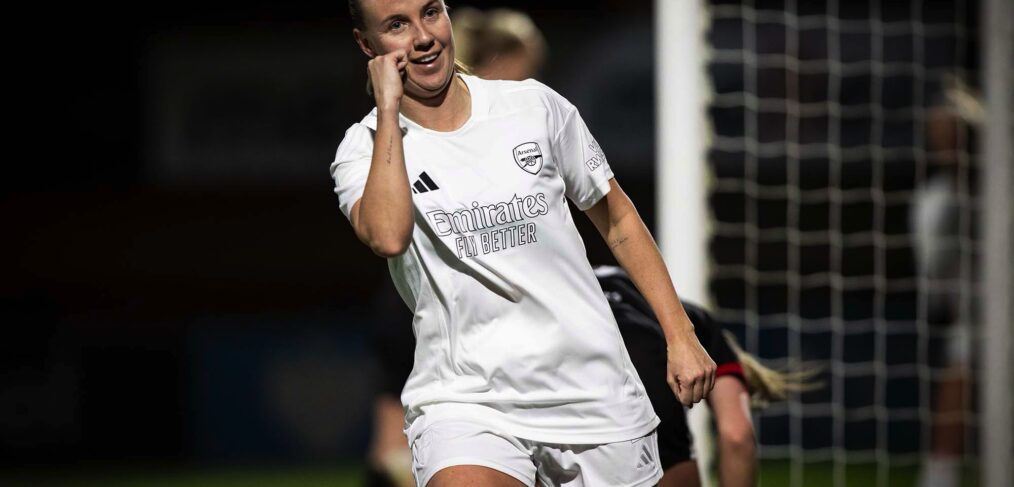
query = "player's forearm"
{"x": 690, "y": 372}
{"x": 635, "y": 250}
{"x": 385, "y": 209}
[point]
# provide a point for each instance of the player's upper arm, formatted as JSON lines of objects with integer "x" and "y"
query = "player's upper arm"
{"x": 350, "y": 169}
{"x": 610, "y": 209}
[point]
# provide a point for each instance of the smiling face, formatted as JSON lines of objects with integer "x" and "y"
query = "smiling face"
{"x": 422, "y": 29}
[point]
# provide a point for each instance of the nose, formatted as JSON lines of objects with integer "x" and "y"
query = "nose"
{"x": 423, "y": 38}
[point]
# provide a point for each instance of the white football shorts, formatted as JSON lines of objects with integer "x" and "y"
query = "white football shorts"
{"x": 631, "y": 463}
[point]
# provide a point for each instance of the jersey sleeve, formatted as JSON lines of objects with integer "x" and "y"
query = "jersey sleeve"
{"x": 581, "y": 162}
{"x": 351, "y": 166}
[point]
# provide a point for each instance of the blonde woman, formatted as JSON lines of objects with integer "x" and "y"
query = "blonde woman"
{"x": 461, "y": 184}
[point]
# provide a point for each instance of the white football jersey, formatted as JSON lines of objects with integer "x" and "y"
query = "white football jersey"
{"x": 511, "y": 326}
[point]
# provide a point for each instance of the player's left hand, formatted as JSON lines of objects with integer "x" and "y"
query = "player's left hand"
{"x": 690, "y": 372}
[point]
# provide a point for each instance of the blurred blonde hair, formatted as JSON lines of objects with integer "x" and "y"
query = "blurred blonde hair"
{"x": 962, "y": 101}
{"x": 480, "y": 37}
{"x": 766, "y": 384}
{"x": 952, "y": 118}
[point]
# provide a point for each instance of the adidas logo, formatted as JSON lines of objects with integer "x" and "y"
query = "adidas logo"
{"x": 645, "y": 459}
{"x": 424, "y": 184}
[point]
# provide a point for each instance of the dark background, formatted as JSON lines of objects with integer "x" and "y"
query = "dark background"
{"x": 178, "y": 283}
{"x": 179, "y": 286}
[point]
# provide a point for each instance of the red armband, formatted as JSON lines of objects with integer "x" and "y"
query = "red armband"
{"x": 734, "y": 369}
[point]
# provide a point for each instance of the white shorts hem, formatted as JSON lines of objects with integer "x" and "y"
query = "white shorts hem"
{"x": 459, "y": 461}
{"x": 650, "y": 480}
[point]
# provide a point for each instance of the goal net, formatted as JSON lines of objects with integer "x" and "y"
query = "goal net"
{"x": 842, "y": 202}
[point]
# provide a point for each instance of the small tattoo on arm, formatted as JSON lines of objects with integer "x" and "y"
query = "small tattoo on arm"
{"x": 390, "y": 146}
{"x": 617, "y": 242}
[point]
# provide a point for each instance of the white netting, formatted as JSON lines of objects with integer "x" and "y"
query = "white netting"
{"x": 842, "y": 219}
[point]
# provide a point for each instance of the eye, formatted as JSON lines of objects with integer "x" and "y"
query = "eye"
{"x": 432, "y": 12}
{"x": 396, "y": 25}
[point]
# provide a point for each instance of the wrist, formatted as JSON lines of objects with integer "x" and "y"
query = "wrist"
{"x": 676, "y": 330}
{"x": 389, "y": 108}
{"x": 387, "y": 113}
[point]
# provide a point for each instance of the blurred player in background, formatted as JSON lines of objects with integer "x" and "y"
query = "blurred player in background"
{"x": 389, "y": 460}
{"x": 506, "y": 341}
{"x": 499, "y": 43}
{"x": 943, "y": 226}
{"x": 740, "y": 381}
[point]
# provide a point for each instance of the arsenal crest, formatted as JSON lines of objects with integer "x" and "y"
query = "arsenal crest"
{"x": 529, "y": 157}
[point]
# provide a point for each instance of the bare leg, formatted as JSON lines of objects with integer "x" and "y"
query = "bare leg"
{"x": 472, "y": 476}
{"x": 943, "y": 467}
{"x": 737, "y": 447}
{"x": 389, "y": 451}
{"x": 949, "y": 427}
{"x": 683, "y": 474}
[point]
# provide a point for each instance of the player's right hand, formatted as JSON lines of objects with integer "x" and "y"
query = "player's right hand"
{"x": 386, "y": 77}
{"x": 690, "y": 371}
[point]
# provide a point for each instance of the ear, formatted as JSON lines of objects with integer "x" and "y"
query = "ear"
{"x": 364, "y": 44}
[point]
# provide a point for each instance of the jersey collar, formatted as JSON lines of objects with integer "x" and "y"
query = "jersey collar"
{"x": 479, "y": 108}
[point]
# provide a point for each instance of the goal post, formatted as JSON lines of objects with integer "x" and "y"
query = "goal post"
{"x": 996, "y": 381}
{"x": 681, "y": 133}
{"x": 680, "y": 169}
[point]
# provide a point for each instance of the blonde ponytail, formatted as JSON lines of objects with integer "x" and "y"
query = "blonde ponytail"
{"x": 766, "y": 384}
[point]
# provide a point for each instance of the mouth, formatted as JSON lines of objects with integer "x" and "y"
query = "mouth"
{"x": 427, "y": 59}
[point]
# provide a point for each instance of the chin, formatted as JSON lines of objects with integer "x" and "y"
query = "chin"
{"x": 430, "y": 87}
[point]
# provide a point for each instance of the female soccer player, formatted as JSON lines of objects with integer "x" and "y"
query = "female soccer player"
{"x": 519, "y": 370}
{"x": 941, "y": 222}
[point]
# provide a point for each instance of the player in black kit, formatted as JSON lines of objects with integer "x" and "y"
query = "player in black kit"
{"x": 646, "y": 346}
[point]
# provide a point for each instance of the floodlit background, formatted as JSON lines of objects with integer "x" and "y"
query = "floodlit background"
{"x": 184, "y": 304}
